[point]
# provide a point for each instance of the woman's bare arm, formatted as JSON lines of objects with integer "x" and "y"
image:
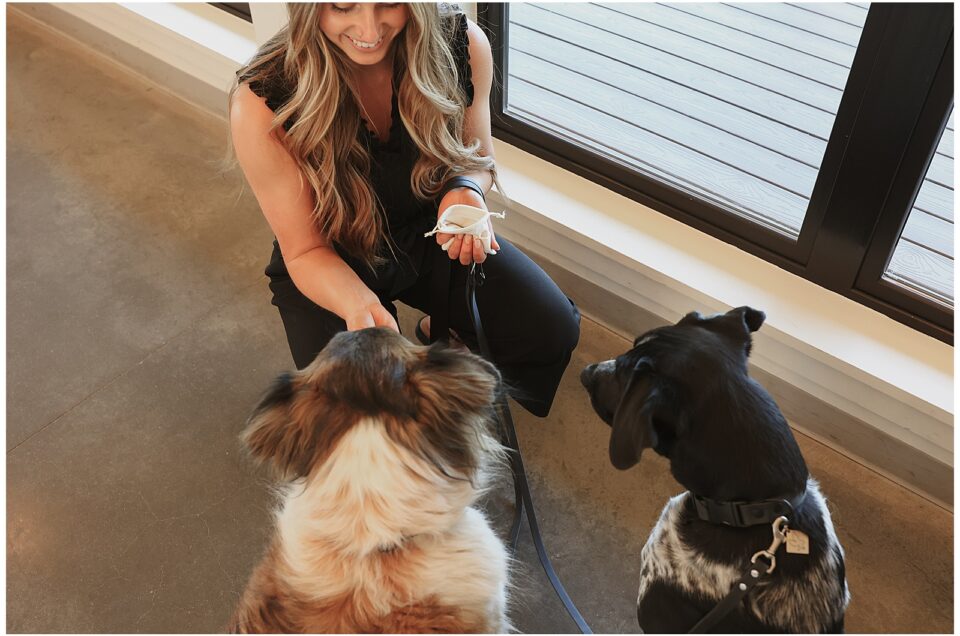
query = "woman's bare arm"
{"x": 286, "y": 199}
{"x": 476, "y": 125}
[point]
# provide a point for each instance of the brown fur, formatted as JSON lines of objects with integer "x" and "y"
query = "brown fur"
{"x": 429, "y": 401}
{"x": 422, "y": 393}
{"x": 269, "y": 606}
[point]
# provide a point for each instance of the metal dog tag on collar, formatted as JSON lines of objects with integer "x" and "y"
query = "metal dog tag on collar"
{"x": 797, "y": 542}
{"x": 466, "y": 219}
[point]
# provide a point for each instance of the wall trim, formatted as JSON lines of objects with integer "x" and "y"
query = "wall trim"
{"x": 190, "y": 70}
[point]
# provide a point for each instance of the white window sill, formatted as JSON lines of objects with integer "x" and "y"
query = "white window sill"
{"x": 203, "y": 24}
{"x": 852, "y": 357}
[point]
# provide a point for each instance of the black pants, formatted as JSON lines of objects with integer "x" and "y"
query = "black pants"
{"x": 531, "y": 326}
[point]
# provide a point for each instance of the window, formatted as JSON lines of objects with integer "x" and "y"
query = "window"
{"x": 781, "y": 128}
{"x": 728, "y": 103}
{"x": 923, "y": 257}
{"x": 239, "y": 9}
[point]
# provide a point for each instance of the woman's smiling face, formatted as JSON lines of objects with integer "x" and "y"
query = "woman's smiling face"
{"x": 364, "y": 31}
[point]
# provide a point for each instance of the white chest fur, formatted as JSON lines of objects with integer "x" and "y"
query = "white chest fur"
{"x": 372, "y": 494}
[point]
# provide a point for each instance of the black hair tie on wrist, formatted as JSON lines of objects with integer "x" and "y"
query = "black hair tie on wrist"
{"x": 461, "y": 182}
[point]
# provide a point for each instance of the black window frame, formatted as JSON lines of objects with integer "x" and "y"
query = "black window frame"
{"x": 900, "y": 82}
{"x": 239, "y": 9}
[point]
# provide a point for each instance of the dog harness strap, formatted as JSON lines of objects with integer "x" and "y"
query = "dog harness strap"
{"x": 743, "y": 514}
{"x": 740, "y": 589}
{"x": 756, "y": 572}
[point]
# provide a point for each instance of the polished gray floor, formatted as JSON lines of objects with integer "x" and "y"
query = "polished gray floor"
{"x": 140, "y": 334}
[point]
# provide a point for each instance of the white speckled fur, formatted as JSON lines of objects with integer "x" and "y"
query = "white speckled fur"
{"x": 796, "y": 605}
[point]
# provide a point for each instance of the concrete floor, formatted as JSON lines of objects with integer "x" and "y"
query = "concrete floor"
{"x": 140, "y": 334}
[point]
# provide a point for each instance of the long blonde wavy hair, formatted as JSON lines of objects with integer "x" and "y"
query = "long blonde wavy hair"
{"x": 324, "y": 139}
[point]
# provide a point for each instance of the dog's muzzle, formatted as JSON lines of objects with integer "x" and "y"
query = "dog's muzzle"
{"x": 600, "y": 381}
{"x": 586, "y": 376}
{"x": 591, "y": 373}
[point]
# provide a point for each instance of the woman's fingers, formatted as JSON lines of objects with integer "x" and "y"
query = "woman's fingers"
{"x": 454, "y": 250}
{"x": 493, "y": 237}
{"x": 375, "y": 315}
{"x": 383, "y": 318}
{"x": 466, "y": 250}
{"x": 392, "y": 324}
{"x": 360, "y": 320}
{"x": 479, "y": 255}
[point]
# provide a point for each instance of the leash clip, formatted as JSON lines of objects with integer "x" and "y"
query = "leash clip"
{"x": 779, "y": 536}
{"x": 751, "y": 578}
{"x": 476, "y": 274}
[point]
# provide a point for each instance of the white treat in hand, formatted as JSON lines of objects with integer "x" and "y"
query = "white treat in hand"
{"x": 466, "y": 219}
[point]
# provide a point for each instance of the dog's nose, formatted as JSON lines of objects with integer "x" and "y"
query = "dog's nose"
{"x": 586, "y": 376}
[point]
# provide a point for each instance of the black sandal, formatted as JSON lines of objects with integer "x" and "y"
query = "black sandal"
{"x": 455, "y": 340}
{"x": 418, "y": 332}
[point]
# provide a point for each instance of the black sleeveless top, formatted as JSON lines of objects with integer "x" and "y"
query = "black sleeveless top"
{"x": 392, "y": 162}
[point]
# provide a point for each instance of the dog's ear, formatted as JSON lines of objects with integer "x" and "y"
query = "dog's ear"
{"x": 752, "y": 318}
{"x": 738, "y": 325}
{"x": 274, "y": 436}
{"x": 448, "y": 382}
{"x": 744, "y": 320}
{"x": 449, "y": 389}
{"x": 633, "y": 420}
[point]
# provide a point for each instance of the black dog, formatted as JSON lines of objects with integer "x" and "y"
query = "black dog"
{"x": 683, "y": 390}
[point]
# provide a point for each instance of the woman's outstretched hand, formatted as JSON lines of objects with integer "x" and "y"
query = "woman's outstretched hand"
{"x": 373, "y": 315}
{"x": 465, "y": 247}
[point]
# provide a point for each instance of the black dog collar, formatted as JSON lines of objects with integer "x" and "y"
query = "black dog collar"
{"x": 742, "y": 514}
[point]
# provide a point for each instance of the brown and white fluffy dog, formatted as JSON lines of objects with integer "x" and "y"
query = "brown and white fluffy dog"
{"x": 383, "y": 447}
